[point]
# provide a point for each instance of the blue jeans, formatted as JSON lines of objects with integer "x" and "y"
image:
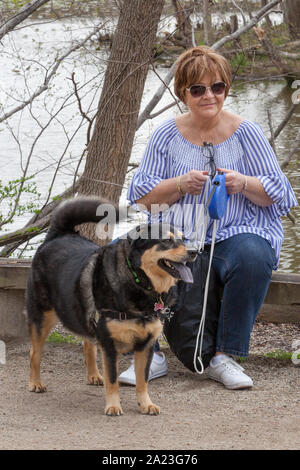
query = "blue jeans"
{"x": 243, "y": 264}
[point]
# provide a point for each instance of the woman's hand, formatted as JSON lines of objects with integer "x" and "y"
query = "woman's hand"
{"x": 234, "y": 181}
{"x": 193, "y": 182}
{"x": 250, "y": 186}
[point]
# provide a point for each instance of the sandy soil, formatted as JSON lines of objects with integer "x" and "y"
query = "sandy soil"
{"x": 196, "y": 413}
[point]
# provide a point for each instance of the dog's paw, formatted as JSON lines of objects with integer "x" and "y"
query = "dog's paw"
{"x": 113, "y": 411}
{"x": 150, "y": 409}
{"x": 95, "y": 379}
{"x": 37, "y": 387}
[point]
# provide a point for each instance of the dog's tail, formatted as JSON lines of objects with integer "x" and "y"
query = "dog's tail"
{"x": 80, "y": 210}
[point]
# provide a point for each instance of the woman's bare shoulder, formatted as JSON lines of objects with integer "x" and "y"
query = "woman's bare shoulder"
{"x": 181, "y": 119}
{"x": 233, "y": 120}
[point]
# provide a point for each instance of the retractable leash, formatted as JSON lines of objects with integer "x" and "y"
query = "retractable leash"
{"x": 216, "y": 207}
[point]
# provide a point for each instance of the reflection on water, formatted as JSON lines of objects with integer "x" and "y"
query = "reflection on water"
{"x": 250, "y": 100}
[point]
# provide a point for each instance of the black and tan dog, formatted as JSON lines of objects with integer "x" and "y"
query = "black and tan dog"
{"x": 108, "y": 295}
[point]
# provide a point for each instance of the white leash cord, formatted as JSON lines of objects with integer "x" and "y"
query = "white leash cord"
{"x": 203, "y": 217}
{"x": 199, "y": 243}
{"x": 202, "y": 220}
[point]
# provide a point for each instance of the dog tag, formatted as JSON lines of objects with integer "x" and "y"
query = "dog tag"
{"x": 158, "y": 306}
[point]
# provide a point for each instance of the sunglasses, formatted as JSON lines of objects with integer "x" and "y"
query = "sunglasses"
{"x": 209, "y": 153}
{"x": 197, "y": 91}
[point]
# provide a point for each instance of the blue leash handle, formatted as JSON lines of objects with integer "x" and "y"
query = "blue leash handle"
{"x": 218, "y": 197}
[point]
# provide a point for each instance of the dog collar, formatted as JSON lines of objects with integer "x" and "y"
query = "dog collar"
{"x": 136, "y": 278}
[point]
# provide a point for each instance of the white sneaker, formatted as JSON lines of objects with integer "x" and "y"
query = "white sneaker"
{"x": 158, "y": 368}
{"x": 229, "y": 373}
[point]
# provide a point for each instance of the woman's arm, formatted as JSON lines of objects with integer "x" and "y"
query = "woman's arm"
{"x": 166, "y": 192}
{"x": 172, "y": 189}
{"x": 254, "y": 191}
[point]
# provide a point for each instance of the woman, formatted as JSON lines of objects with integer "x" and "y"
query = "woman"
{"x": 174, "y": 170}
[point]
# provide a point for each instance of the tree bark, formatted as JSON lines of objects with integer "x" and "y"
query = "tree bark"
{"x": 292, "y": 18}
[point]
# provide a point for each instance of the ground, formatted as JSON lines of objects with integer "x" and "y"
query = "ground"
{"x": 196, "y": 413}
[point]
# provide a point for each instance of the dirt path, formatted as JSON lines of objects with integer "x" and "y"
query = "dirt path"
{"x": 196, "y": 413}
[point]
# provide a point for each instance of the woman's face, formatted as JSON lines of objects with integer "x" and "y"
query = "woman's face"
{"x": 209, "y": 105}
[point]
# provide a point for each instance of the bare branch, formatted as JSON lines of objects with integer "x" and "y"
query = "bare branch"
{"x": 272, "y": 140}
{"x": 289, "y": 44}
{"x": 83, "y": 114}
{"x": 168, "y": 106}
{"x": 295, "y": 148}
{"x": 156, "y": 97}
{"x": 45, "y": 85}
{"x": 36, "y": 225}
{"x": 256, "y": 48}
{"x": 22, "y": 14}
{"x": 259, "y": 15}
{"x": 241, "y": 11}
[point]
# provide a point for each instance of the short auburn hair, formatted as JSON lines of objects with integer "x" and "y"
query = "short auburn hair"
{"x": 196, "y": 62}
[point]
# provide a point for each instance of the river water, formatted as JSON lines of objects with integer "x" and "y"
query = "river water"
{"x": 57, "y": 112}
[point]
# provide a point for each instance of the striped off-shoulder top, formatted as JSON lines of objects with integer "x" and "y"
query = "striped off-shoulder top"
{"x": 168, "y": 154}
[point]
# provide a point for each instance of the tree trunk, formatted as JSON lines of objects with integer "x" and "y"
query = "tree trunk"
{"x": 292, "y": 18}
{"x": 207, "y": 23}
{"x": 111, "y": 143}
{"x": 234, "y": 23}
{"x": 247, "y": 7}
{"x": 234, "y": 26}
{"x": 183, "y": 23}
{"x": 267, "y": 18}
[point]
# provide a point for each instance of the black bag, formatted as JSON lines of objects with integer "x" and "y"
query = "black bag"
{"x": 181, "y": 329}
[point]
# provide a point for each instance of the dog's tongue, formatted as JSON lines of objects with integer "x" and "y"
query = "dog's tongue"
{"x": 184, "y": 271}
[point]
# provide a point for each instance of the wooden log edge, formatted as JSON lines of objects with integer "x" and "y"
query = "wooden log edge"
{"x": 281, "y": 305}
